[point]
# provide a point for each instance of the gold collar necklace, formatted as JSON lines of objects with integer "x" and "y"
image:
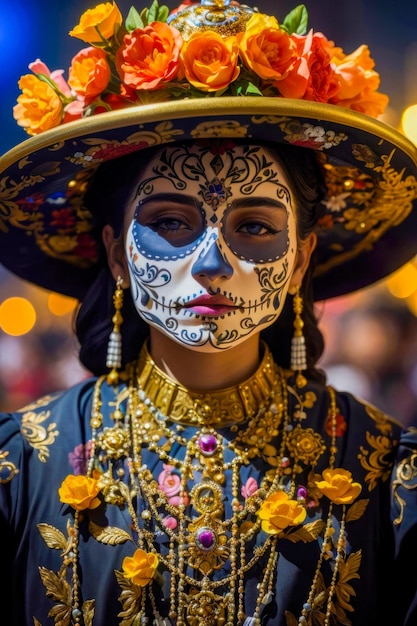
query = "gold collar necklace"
{"x": 225, "y": 407}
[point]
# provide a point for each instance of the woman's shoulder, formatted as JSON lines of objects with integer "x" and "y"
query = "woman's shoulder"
{"x": 357, "y": 417}
{"x": 54, "y": 404}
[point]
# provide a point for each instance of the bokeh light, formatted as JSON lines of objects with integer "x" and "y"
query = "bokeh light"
{"x": 403, "y": 283}
{"x": 409, "y": 123}
{"x": 60, "y": 305}
{"x": 17, "y": 316}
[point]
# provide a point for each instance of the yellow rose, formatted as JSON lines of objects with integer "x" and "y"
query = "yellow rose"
{"x": 338, "y": 486}
{"x": 140, "y": 568}
{"x": 80, "y": 492}
{"x": 38, "y": 107}
{"x": 279, "y": 511}
{"x": 98, "y": 23}
{"x": 266, "y": 49}
{"x": 210, "y": 62}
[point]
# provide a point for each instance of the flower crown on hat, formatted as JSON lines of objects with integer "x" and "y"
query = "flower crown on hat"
{"x": 199, "y": 50}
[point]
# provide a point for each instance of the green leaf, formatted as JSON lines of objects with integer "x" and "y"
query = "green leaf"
{"x": 133, "y": 20}
{"x": 153, "y": 11}
{"x": 244, "y": 87}
{"x": 296, "y": 21}
{"x": 163, "y": 13}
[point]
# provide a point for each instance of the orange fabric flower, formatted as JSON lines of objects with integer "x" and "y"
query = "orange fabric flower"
{"x": 80, "y": 492}
{"x": 266, "y": 49}
{"x": 38, "y": 107}
{"x": 210, "y": 61}
{"x": 149, "y": 56}
{"x": 313, "y": 77}
{"x": 279, "y": 511}
{"x": 140, "y": 568}
{"x": 358, "y": 81}
{"x": 338, "y": 486}
{"x": 98, "y": 23}
{"x": 89, "y": 73}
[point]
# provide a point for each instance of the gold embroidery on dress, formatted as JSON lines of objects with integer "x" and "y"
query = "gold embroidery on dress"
{"x": 38, "y": 435}
{"x": 377, "y": 460}
{"x": 7, "y": 469}
{"x": 406, "y": 477}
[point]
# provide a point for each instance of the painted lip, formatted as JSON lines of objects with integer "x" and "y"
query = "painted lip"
{"x": 211, "y": 305}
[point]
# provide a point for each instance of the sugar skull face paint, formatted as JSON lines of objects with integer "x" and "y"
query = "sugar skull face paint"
{"x": 211, "y": 243}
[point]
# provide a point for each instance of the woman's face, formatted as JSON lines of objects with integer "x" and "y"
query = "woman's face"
{"x": 211, "y": 243}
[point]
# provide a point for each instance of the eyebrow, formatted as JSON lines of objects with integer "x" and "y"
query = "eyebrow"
{"x": 171, "y": 197}
{"x": 254, "y": 202}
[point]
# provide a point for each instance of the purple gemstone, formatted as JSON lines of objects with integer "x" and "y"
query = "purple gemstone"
{"x": 207, "y": 443}
{"x": 206, "y": 538}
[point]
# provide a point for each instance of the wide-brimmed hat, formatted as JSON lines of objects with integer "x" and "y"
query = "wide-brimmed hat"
{"x": 368, "y": 223}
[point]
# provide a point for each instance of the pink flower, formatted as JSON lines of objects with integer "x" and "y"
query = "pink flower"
{"x": 249, "y": 488}
{"x": 39, "y": 67}
{"x": 168, "y": 482}
{"x": 170, "y": 522}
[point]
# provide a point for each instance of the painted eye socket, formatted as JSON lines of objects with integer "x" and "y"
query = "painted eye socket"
{"x": 167, "y": 227}
{"x": 256, "y": 235}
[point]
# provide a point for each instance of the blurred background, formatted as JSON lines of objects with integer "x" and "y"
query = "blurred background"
{"x": 371, "y": 335}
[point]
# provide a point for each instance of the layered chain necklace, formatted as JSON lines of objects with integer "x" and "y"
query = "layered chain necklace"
{"x": 200, "y": 518}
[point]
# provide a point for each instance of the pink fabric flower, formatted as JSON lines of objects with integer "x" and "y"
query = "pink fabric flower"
{"x": 249, "y": 488}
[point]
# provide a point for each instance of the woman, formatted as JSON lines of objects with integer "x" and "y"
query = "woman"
{"x": 205, "y": 474}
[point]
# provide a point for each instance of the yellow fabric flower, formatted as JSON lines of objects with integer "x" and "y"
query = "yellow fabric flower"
{"x": 100, "y": 22}
{"x": 89, "y": 73}
{"x": 38, "y": 107}
{"x": 210, "y": 61}
{"x": 140, "y": 568}
{"x": 80, "y": 492}
{"x": 266, "y": 49}
{"x": 338, "y": 486}
{"x": 279, "y": 511}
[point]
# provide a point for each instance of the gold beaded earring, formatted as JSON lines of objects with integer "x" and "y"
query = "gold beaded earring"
{"x": 114, "y": 347}
{"x": 298, "y": 343}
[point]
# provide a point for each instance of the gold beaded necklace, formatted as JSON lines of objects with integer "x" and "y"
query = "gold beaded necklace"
{"x": 206, "y": 441}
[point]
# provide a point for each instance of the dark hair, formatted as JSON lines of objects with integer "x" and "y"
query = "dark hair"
{"x": 108, "y": 195}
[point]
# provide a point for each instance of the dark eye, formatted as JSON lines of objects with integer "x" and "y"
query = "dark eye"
{"x": 169, "y": 225}
{"x": 257, "y": 228}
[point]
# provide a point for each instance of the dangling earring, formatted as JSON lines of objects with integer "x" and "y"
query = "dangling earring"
{"x": 298, "y": 343}
{"x": 114, "y": 347}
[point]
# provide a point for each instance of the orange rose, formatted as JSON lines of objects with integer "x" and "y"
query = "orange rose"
{"x": 358, "y": 82}
{"x": 89, "y": 73}
{"x": 338, "y": 486}
{"x": 98, "y": 24}
{"x": 149, "y": 56}
{"x": 279, "y": 511}
{"x": 140, "y": 568}
{"x": 210, "y": 61}
{"x": 80, "y": 492}
{"x": 266, "y": 49}
{"x": 39, "y": 107}
{"x": 313, "y": 76}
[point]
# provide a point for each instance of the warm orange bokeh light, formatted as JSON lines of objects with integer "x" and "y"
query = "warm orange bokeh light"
{"x": 17, "y": 316}
{"x": 403, "y": 283}
{"x": 60, "y": 305}
{"x": 409, "y": 123}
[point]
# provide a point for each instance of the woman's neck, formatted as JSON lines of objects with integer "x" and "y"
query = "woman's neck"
{"x": 201, "y": 370}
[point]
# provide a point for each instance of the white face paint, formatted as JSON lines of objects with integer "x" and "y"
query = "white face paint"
{"x": 211, "y": 243}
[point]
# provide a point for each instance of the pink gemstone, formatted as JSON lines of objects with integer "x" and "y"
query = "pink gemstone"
{"x": 207, "y": 443}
